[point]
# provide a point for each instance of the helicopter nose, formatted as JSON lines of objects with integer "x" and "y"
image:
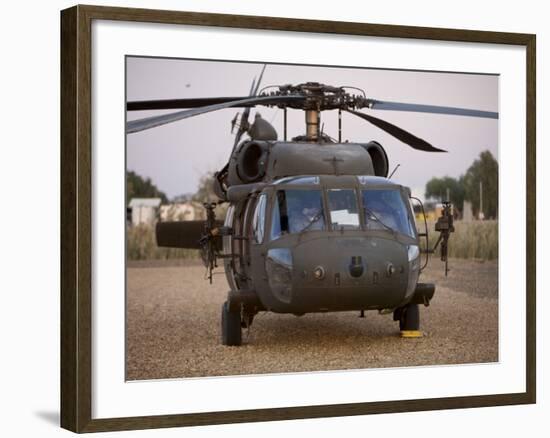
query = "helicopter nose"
{"x": 350, "y": 271}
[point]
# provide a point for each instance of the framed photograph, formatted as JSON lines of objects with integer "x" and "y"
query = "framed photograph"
{"x": 268, "y": 219}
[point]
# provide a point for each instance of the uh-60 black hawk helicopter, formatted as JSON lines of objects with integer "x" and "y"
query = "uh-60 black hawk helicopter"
{"x": 314, "y": 224}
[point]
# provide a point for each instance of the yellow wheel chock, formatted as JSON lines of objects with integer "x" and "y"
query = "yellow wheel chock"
{"x": 411, "y": 334}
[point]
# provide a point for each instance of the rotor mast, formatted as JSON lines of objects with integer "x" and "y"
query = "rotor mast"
{"x": 313, "y": 121}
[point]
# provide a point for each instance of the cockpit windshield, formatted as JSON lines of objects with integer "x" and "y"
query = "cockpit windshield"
{"x": 295, "y": 211}
{"x": 343, "y": 209}
{"x": 385, "y": 209}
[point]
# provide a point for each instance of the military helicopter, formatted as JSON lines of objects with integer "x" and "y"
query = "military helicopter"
{"x": 314, "y": 224}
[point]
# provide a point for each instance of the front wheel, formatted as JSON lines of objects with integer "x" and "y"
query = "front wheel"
{"x": 231, "y": 326}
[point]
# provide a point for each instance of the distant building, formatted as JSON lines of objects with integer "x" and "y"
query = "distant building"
{"x": 182, "y": 211}
{"x": 143, "y": 210}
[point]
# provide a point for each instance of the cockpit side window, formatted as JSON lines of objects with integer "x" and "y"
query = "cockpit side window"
{"x": 295, "y": 211}
{"x": 258, "y": 221}
{"x": 344, "y": 214}
{"x": 276, "y": 220}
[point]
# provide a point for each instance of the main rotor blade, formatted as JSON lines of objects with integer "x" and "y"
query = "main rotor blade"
{"x": 434, "y": 109}
{"x": 244, "y": 125}
{"x": 400, "y": 134}
{"x": 163, "y": 104}
{"x": 152, "y": 122}
{"x": 257, "y": 87}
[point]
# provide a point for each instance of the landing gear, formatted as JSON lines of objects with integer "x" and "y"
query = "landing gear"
{"x": 238, "y": 313}
{"x": 231, "y": 326}
{"x": 409, "y": 320}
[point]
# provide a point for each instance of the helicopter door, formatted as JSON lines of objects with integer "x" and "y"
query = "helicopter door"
{"x": 248, "y": 227}
{"x": 237, "y": 246}
{"x": 228, "y": 249}
{"x": 242, "y": 217}
{"x": 258, "y": 230}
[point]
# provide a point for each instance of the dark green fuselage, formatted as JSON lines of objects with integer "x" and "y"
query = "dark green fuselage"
{"x": 328, "y": 269}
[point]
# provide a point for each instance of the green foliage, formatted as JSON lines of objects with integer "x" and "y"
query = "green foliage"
{"x": 142, "y": 245}
{"x": 141, "y": 240}
{"x": 467, "y": 186}
{"x": 484, "y": 169}
{"x": 470, "y": 240}
{"x": 137, "y": 187}
{"x": 205, "y": 191}
{"x": 437, "y": 188}
{"x": 184, "y": 197}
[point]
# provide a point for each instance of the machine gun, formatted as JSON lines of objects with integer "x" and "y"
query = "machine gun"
{"x": 183, "y": 234}
{"x": 445, "y": 227}
{"x": 208, "y": 241}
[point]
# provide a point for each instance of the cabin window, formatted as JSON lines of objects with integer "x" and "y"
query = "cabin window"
{"x": 258, "y": 221}
{"x": 295, "y": 211}
{"x": 344, "y": 214}
{"x": 385, "y": 209}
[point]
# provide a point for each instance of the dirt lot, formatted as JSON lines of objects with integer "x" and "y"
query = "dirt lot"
{"x": 173, "y": 327}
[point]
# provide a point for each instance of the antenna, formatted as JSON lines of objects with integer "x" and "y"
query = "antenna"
{"x": 391, "y": 174}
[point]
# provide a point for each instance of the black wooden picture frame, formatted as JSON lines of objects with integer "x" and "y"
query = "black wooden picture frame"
{"x": 76, "y": 218}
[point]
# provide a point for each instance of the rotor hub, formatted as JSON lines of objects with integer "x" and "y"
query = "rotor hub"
{"x": 318, "y": 97}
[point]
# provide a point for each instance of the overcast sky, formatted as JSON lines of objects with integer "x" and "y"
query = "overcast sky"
{"x": 175, "y": 156}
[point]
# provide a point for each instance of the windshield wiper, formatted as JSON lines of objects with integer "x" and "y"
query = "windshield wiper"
{"x": 370, "y": 213}
{"x": 312, "y": 221}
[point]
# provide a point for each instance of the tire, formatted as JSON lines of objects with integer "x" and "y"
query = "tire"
{"x": 410, "y": 318}
{"x": 231, "y": 326}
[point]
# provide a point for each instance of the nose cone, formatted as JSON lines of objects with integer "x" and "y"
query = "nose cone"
{"x": 356, "y": 273}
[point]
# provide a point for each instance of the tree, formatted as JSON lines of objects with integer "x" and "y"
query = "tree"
{"x": 484, "y": 170}
{"x": 437, "y": 188}
{"x": 137, "y": 187}
{"x": 184, "y": 197}
{"x": 205, "y": 191}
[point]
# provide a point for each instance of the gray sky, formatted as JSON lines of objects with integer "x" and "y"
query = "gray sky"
{"x": 175, "y": 156}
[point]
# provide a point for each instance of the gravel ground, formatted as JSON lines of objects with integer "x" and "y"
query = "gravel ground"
{"x": 173, "y": 327}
